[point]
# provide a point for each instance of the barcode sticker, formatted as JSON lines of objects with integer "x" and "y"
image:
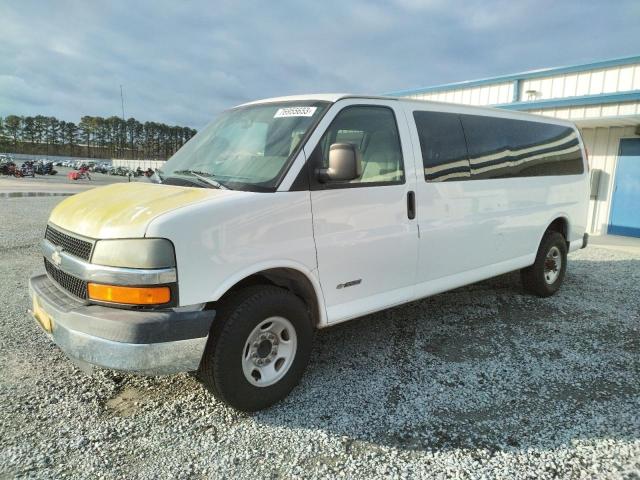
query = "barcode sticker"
{"x": 295, "y": 112}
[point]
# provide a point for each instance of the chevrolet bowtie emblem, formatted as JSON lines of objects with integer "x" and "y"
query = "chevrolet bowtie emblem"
{"x": 56, "y": 258}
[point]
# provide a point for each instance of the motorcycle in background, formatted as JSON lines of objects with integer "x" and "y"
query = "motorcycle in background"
{"x": 81, "y": 174}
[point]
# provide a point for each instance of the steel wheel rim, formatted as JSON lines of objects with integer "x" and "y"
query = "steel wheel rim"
{"x": 552, "y": 265}
{"x": 269, "y": 351}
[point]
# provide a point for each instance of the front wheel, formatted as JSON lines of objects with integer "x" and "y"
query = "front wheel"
{"x": 546, "y": 275}
{"x": 258, "y": 348}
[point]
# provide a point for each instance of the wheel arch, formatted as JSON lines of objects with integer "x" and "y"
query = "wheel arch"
{"x": 561, "y": 225}
{"x": 294, "y": 278}
{"x": 557, "y": 223}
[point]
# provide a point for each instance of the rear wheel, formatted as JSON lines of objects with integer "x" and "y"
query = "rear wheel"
{"x": 258, "y": 348}
{"x": 546, "y": 275}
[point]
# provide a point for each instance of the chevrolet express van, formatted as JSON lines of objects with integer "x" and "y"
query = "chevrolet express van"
{"x": 291, "y": 214}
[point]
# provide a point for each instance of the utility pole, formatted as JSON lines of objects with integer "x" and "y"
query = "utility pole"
{"x": 124, "y": 127}
{"x": 122, "y": 102}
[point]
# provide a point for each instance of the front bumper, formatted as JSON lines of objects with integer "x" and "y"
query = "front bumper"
{"x": 151, "y": 342}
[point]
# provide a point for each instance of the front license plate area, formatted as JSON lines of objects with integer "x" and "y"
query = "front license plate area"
{"x": 43, "y": 318}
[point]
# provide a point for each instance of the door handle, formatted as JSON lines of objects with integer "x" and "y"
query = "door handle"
{"x": 411, "y": 204}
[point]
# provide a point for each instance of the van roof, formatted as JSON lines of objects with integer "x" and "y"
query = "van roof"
{"x": 326, "y": 97}
{"x": 457, "y": 107}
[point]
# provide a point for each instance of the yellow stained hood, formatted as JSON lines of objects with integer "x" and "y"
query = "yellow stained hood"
{"x": 123, "y": 210}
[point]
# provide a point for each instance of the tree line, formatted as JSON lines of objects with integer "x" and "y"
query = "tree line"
{"x": 92, "y": 137}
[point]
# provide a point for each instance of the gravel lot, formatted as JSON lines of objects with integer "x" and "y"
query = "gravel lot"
{"x": 483, "y": 381}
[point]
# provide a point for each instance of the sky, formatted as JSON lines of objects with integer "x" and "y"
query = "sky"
{"x": 183, "y": 62}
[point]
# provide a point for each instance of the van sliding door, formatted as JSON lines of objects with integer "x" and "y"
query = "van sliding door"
{"x": 453, "y": 233}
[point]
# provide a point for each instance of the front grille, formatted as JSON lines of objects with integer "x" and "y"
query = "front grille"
{"x": 72, "y": 245}
{"x": 71, "y": 284}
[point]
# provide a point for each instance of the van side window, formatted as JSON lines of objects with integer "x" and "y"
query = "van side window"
{"x": 503, "y": 148}
{"x": 374, "y": 132}
{"x": 444, "y": 150}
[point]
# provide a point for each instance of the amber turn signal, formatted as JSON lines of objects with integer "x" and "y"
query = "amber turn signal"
{"x": 129, "y": 295}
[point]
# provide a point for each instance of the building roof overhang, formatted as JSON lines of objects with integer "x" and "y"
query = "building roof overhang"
{"x": 539, "y": 73}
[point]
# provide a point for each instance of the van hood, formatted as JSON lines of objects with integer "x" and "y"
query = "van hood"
{"x": 124, "y": 210}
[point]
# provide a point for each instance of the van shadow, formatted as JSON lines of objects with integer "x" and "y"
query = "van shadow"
{"x": 482, "y": 367}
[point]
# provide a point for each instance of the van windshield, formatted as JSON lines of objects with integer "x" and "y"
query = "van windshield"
{"x": 246, "y": 148}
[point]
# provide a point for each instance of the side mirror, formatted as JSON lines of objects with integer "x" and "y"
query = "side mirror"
{"x": 345, "y": 163}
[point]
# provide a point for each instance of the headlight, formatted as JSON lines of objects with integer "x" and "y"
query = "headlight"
{"x": 134, "y": 253}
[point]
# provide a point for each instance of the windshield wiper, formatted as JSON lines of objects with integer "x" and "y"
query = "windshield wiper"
{"x": 210, "y": 181}
{"x": 204, "y": 177}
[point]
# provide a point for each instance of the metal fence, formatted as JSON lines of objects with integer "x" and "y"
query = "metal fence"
{"x": 134, "y": 164}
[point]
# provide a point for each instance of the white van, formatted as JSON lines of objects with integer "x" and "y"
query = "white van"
{"x": 296, "y": 213}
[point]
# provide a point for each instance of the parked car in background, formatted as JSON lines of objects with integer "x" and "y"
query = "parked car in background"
{"x": 100, "y": 167}
{"x": 28, "y": 169}
{"x": 123, "y": 172}
{"x": 7, "y": 165}
{"x": 292, "y": 214}
{"x": 44, "y": 167}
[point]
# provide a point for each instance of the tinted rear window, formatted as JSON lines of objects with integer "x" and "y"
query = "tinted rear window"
{"x": 502, "y": 148}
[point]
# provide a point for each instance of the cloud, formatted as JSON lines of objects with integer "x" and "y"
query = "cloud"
{"x": 183, "y": 62}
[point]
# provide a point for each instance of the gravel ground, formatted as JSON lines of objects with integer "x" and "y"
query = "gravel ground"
{"x": 480, "y": 382}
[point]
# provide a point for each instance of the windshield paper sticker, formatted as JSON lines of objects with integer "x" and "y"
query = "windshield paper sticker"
{"x": 295, "y": 112}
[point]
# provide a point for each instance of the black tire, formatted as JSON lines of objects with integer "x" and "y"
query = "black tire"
{"x": 221, "y": 368}
{"x": 534, "y": 278}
